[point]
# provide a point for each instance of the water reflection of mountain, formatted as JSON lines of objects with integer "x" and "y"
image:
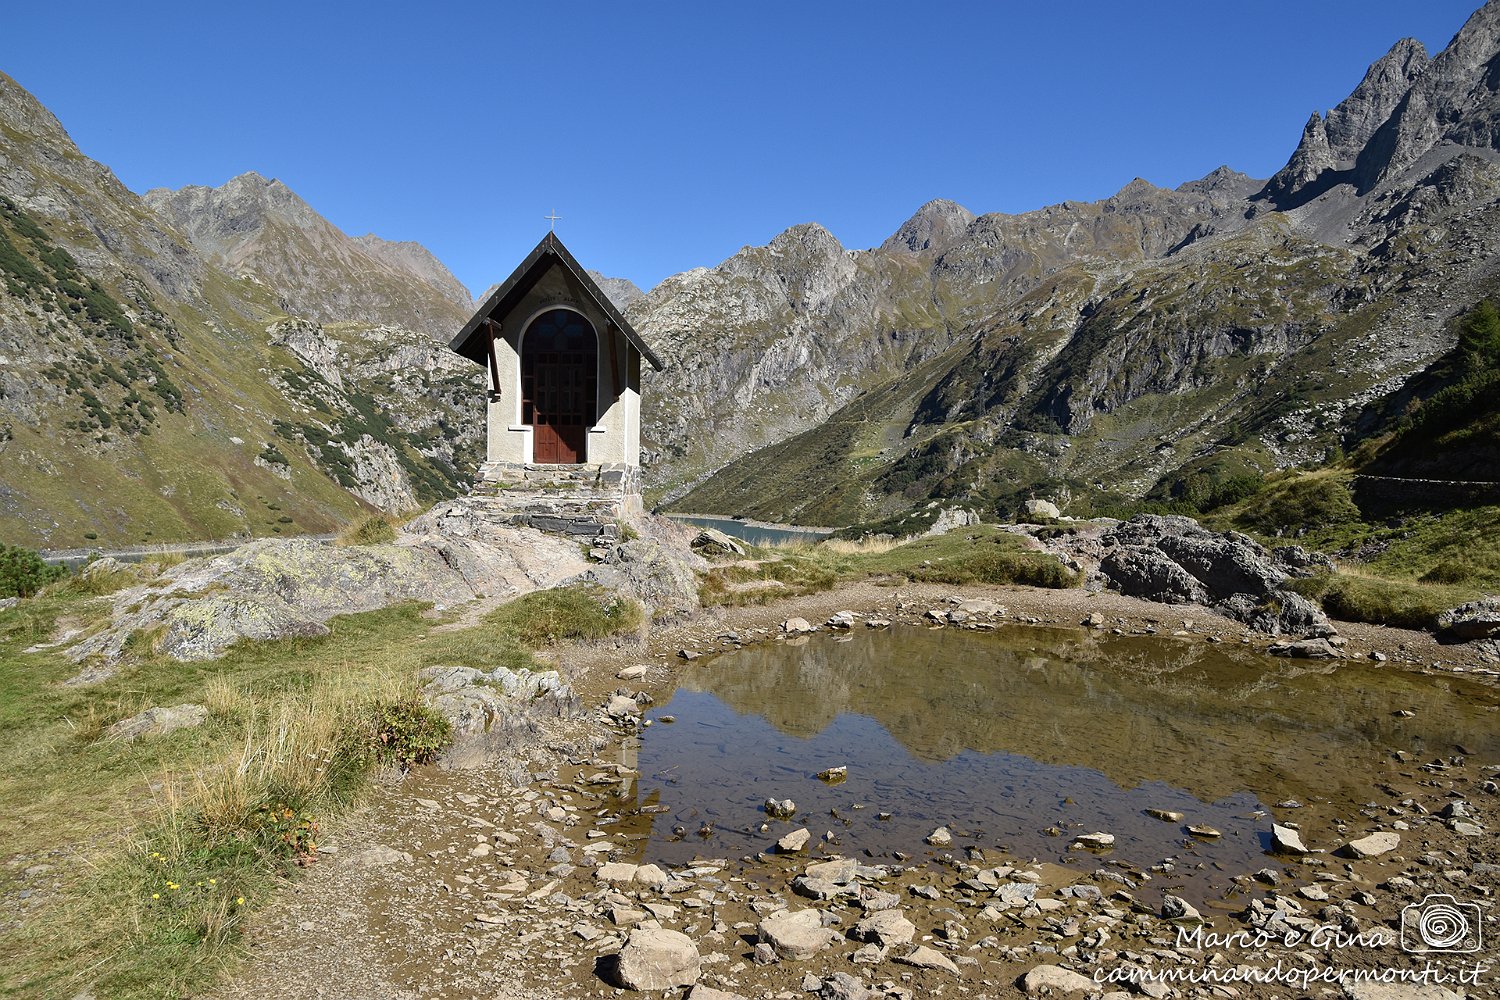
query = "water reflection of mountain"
{"x": 1213, "y": 720}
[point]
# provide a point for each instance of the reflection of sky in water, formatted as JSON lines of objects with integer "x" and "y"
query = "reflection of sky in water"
{"x": 1000, "y": 737}
{"x": 717, "y": 766}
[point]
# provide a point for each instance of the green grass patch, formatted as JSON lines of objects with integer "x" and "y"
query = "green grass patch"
{"x": 1397, "y": 603}
{"x": 164, "y": 846}
{"x": 576, "y": 614}
{"x": 376, "y": 529}
{"x": 977, "y": 554}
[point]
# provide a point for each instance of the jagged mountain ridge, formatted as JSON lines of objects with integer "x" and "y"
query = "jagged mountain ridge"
{"x": 1244, "y": 331}
{"x": 261, "y": 228}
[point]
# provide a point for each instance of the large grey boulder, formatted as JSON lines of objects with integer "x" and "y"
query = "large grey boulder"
{"x": 1175, "y": 560}
{"x": 279, "y": 588}
{"x": 1472, "y": 622}
{"x": 657, "y": 959}
{"x": 660, "y": 576}
{"x": 712, "y": 541}
{"x": 489, "y": 710}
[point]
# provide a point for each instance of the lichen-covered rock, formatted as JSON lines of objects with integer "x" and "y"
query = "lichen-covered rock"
{"x": 276, "y": 588}
{"x": 490, "y": 709}
{"x": 1175, "y": 560}
{"x": 159, "y": 722}
{"x": 1472, "y": 622}
{"x": 712, "y": 541}
{"x": 661, "y": 576}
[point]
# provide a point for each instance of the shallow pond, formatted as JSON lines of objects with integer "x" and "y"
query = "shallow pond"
{"x": 1022, "y": 738}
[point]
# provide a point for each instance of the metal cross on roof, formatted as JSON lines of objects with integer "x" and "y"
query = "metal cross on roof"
{"x": 553, "y": 218}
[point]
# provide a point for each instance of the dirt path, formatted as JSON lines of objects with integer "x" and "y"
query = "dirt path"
{"x": 460, "y": 885}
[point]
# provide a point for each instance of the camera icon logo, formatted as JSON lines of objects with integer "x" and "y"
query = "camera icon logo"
{"x": 1441, "y": 923}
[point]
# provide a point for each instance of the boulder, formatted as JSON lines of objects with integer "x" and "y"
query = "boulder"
{"x": 796, "y": 626}
{"x": 657, "y": 959}
{"x": 1095, "y": 841}
{"x": 1285, "y": 840}
{"x": 886, "y": 928}
{"x": 780, "y": 808}
{"x": 1372, "y": 846}
{"x": 701, "y": 992}
{"x": 1041, "y": 508}
{"x": 159, "y": 722}
{"x": 794, "y": 841}
{"x": 1175, "y": 560}
{"x": 1055, "y": 980}
{"x": 1179, "y": 910}
{"x": 713, "y": 542}
{"x": 940, "y": 837}
{"x": 796, "y": 934}
{"x": 1472, "y": 622}
{"x": 923, "y": 957}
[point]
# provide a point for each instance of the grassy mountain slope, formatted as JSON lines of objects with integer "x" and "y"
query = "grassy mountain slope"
{"x": 142, "y": 385}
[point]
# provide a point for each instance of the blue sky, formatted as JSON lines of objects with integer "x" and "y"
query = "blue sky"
{"x": 667, "y": 136}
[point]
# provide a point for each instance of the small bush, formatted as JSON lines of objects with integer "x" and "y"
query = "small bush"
{"x": 376, "y": 529}
{"x": 407, "y": 732}
{"x": 23, "y": 572}
{"x": 547, "y": 617}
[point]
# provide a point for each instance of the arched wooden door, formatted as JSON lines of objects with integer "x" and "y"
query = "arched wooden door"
{"x": 559, "y": 382}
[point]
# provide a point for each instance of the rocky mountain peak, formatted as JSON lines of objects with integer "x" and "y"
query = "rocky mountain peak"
{"x": 1309, "y": 161}
{"x": 263, "y": 228}
{"x": 1221, "y": 178}
{"x": 1409, "y": 113}
{"x": 936, "y": 225}
{"x": 1357, "y": 118}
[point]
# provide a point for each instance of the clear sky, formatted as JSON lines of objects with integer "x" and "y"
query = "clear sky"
{"x": 667, "y": 136}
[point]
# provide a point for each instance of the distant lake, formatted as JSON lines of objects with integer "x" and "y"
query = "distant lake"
{"x": 754, "y": 532}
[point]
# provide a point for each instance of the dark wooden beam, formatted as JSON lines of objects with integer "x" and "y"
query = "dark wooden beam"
{"x": 494, "y": 363}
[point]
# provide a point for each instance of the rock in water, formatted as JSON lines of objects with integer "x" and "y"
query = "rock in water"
{"x": 1095, "y": 841}
{"x": 1372, "y": 846}
{"x": 1285, "y": 840}
{"x": 794, "y": 841}
{"x": 940, "y": 837}
{"x": 796, "y": 626}
{"x": 796, "y": 934}
{"x": 780, "y": 808}
{"x": 656, "y": 959}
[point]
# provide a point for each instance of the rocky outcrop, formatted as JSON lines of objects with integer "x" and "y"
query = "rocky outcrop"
{"x": 278, "y": 588}
{"x": 490, "y": 710}
{"x": 1471, "y": 622}
{"x": 1175, "y": 560}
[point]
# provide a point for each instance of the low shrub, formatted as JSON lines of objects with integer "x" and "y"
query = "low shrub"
{"x": 23, "y": 572}
{"x": 406, "y": 732}
{"x": 376, "y": 529}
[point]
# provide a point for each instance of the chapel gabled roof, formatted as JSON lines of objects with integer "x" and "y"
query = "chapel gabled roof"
{"x": 549, "y": 252}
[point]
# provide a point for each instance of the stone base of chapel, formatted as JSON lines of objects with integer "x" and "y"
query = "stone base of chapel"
{"x": 585, "y": 500}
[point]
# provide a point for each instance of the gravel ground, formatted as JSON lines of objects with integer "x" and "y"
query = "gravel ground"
{"x": 447, "y": 884}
